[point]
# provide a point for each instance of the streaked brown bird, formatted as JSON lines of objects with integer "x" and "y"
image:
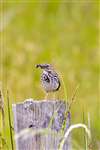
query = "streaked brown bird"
{"x": 49, "y": 78}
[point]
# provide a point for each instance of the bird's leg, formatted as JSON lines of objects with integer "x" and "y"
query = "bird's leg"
{"x": 46, "y": 96}
{"x": 54, "y": 96}
{"x": 57, "y": 94}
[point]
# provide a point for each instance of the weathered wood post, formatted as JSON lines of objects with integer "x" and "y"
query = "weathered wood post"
{"x": 40, "y": 115}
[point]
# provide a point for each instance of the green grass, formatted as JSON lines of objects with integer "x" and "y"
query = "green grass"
{"x": 63, "y": 34}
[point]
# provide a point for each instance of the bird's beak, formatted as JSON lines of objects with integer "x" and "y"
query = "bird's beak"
{"x": 37, "y": 66}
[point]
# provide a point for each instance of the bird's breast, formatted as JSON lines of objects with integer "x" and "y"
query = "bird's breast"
{"x": 50, "y": 82}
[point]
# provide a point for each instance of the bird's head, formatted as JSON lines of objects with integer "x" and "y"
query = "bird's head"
{"x": 44, "y": 66}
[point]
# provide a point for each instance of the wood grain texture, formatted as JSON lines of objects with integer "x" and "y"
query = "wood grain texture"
{"x": 36, "y": 115}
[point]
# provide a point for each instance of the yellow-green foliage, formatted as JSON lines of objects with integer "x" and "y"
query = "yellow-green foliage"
{"x": 64, "y": 34}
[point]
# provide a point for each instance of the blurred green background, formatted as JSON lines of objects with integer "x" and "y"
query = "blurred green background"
{"x": 62, "y": 33}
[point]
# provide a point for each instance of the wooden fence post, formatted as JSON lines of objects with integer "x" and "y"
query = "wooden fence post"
{"x": 39, "y": 115}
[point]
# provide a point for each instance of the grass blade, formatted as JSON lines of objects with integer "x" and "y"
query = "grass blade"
{"x": 9, "y": 117}
{"x": 80, "y": 125}
{"x": 85, "y": 136}
{"x": 2, "y": 109}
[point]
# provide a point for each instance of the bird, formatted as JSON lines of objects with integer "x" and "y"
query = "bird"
{"x": 49, "y": 78}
